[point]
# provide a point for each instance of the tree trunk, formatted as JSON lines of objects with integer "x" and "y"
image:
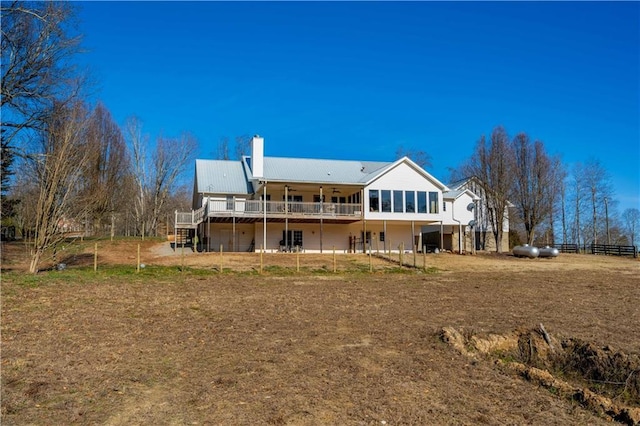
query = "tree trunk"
{"x": 35, "y": 261}
{"x": 113, "y": 225}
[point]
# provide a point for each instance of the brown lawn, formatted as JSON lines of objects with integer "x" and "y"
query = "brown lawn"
{"x": 200, "y": 347}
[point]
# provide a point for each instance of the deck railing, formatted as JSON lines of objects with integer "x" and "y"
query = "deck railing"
{"x": 281, "y": 208}
{"x": 272, "y": 209}
{"x": 191, "y": 218}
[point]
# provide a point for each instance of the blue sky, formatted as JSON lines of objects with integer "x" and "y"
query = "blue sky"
{"x": 355, "y": 80}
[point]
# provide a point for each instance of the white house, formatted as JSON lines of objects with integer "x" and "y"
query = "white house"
{"x": 317, "y": 205}
{"x": 483, "y": 237}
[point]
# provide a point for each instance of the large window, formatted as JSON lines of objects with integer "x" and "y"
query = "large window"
{"x": 374, "y": 200}
{"x": 386, "y": 200}
{"x": 409, "y": 201}
{"x": 397, "y": 202}
{"x": 422, "y": 202}
{"x": 433, "y": 202}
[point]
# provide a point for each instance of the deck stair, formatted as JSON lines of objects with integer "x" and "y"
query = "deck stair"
{"x": 183, "y": 237}
{"x": 190, "y": 220}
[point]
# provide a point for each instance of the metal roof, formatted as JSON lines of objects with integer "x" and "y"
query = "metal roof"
{"x": 221, "y": 177}
{"x": 314, "y": 170}
{"x": 234, "y": 177}
{"x": 459, "y": 183}
{"x": 452, "y": 194}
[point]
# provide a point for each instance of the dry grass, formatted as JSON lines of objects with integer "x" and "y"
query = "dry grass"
{"x": 200, "y": 347}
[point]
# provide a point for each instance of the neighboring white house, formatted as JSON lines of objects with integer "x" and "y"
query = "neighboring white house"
{"x": 483, "y": 227}
{"x": 317, "y": 205}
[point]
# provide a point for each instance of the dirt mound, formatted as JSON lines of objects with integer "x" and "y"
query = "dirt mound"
{"x": 603, "y": 365}
{"x": 600, "y": 378}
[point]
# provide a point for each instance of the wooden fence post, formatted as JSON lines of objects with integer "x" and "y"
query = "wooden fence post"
{"x": 221, "y": 250}
{"x": 334, "y": 260}
{"x": 138, "y": 260}
{"x": 95, "y": 258}
{"x": 424, "y": 259}
{"x": 415, "y": 247}
{"x": 261, "y": 258}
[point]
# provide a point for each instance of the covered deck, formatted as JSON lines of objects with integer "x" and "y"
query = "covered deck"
{"x": 257, "y": 210}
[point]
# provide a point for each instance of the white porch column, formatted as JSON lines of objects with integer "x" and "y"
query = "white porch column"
{"x": 264, "y": 216}
{"x": 321, "y": 214}
{"x": 386, "y": 237}
{"x": 413, "y": 236}
{"x": 233, "y": 218}
{"x": 286, "y": 217}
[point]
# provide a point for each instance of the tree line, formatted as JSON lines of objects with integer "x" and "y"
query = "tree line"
{"x": 546, "y": 200}
{"x": 66, "y": 164}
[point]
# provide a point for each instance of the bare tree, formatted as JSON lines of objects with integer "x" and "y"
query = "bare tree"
{"x": 493, "y": 165}
{"x": 597, "y": 184}
{"x": 240, "y": 147}
{"x": 563, "y": 203}
{"x": 170, "y": 160}
{"x": 224, "y": 149}
{"x": 243, "y": 146}
{"x": 103, "y": 176}
{"x": 421, "y": 158}
{"x": 558, "y": 194}
{"x": 577, "y": 200}
{"x": 536, "y": 183}
{"x": 25, "y": 192}
{"x": 179, "y": 199}
{"x": 57, "y": 164}
{"x": 631, "y": 220}
{"x": 35, "y": 46}
{"x": 155, "y": 175}
{"x": 138, "y": 148}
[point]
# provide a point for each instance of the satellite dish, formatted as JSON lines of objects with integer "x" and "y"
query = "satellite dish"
{"x": 471, "y": 206}
{"x": 472, "y": 223}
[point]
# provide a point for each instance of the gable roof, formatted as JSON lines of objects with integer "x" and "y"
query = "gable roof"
{"x": 235, "y": 177}
{"x": 454, "y": 194}
{"x": 463, "y": 184}
{"x": 313, "y": 170}
{"x": 221, "y": 177}
{"x": 413, "y": 165}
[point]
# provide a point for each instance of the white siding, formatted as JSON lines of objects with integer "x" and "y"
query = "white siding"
{"x": 332, "y": 235}
{"x": 460, "y": 212}
{"x": 218, "y": 234}
{"x": 403, "y": 178}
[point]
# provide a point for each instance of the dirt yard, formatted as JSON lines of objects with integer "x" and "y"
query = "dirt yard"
{"x": 316, "y": 347}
